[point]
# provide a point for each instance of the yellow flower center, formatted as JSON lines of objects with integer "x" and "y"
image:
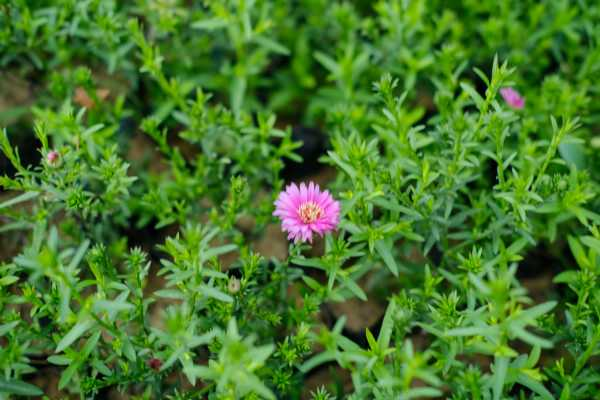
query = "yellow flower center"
{"x": 310, "y": 212}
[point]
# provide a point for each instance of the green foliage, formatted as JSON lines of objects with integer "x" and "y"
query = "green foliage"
{"x": 139, "y": 175}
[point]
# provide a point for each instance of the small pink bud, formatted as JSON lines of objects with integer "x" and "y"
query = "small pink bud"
{"x": 53, "y": 158}
{"x": 512, "y": 98}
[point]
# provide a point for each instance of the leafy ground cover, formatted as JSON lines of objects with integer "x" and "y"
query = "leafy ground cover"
{"x": 155, "y": 244}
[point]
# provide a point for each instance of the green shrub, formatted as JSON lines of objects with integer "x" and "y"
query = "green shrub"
{"x": 145, "y": 143}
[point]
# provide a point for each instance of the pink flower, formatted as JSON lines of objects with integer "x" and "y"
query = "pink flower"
{"x": 304, "y": 210}
{"x": 512, "y": 98}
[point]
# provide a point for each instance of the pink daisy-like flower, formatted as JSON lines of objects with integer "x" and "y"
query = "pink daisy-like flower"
{"x": 512, "y": 98}
{"x": 306, "y": 209}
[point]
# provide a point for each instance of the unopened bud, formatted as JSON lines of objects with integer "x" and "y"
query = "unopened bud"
{"x": 154, "y": 363}
{"x": 234, "y": 285}
{"x": 53, "y": 158}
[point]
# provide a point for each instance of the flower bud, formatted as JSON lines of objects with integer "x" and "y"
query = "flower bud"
{"x": 154, "y": 363}
{"x": 53, "y": 158}
{"x": 234, "y": 285}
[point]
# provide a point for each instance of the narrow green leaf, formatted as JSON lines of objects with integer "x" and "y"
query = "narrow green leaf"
{"x": 355, "y": 289}
{"x": 387, "y": 326}
{"x": 170, "y": 294}
{"x": 566, "y": 277}
{"x": 67, "y": 375}
{"x": 272, "y": 45}
{"x": 327, "y": 62}
{"x": 419, "y": 393}
{"x": 237, "y": 93}
{"x": 19, "y": 199}
{"x": 217, "y": 251}
{"x": 573, "y": 153}
{"x": 5, "y": 328}
{"x": 578, "y": 251}
{"x": 75, "y": 333}
{"x": 500, "y": 368}
{"x": 317, "y": 360}
{"x": 537, "y": 310}
{"x": 215, "y": 293}
{"x": 209, "y": 24}
{"x": 19, "y": 388}
{"x": 79, "y": 255}
{"x": 591, "y": 242}
{"x": 8, "y": 280}
{"x": 535, "y": 386}
{"x": 342, "y": 164}
{"x": 386, "y": 253}
{"x": 112, "y": 305}
{"x": 392, "y": 206}
{"x": 309, "y": 262}
{"x": 476, "y": 97}
{"x": 471, "y": 331}
{"x": 531, "y": 338}
{"x": 59, "y": 360}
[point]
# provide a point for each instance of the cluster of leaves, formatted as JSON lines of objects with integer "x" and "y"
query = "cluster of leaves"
{"x": 132, "y": 258}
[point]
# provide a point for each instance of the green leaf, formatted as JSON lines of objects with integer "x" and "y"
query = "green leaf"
{"x": 573, "y": 153}
{"x": 8, "y": 280}
{"x": 217, "y": 251}
{"x": 317, "y": 360}
{"x": 75, "y": 333}
{"x": 19, "y": 199}
{"x": 272, "y": 45}
{"x": 170, "y": 294}
{"x": 59, "y": 360}
{"x": 210, "y": 24}
{"x": 534, "y": 356}
{"x": 392, "y": 206}
{"x": 387, "y": 326}
{"x": 112, "y": 306}
{"x": 535, "y": 386}
{"x": 19, "y": 388}
{"x": 327, "y": 62}
{"x": 237, "y": 93}
{"x": 476, "y": 97}
{"x": 355, "y": 289}
{"x": 5, "y": 328}
{"x": 371, "y": 339}
{"x": 79, "y": 255}
{"x": 419, "y": 393}
{"x": 499, "y": 377}
{"x": 386, "y": 253}
{"x": 591, "y": 242}
{"x": 566, "y": 277}
{"x": 215, "y": 293}
{"x": 256, "y": 386}
{"x": 342, "y": 164}
{"x": 530, "y": 338}
{"x": 482, "y": 75}
{"x": 472, "y": 331}
{"x": 67, "y": 375}
{"x": 578, "y": 252}
{"x": 537, "y": 311}
{"x": 309, "y": 262}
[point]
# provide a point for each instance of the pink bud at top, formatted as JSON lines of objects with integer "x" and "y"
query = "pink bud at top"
{"x": 306, "y": 209}
{"x": 52, "y": 157}
{"x": 512, "y": 98}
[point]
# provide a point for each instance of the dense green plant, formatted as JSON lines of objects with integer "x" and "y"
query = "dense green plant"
{"x": 155, "y": 138}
